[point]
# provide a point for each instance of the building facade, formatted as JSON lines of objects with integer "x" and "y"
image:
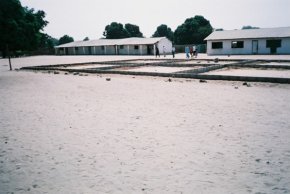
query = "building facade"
{"x": 249, "y": 42}
{"x": 127, "y": 46}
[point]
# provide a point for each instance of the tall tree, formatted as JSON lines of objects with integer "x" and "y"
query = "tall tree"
{"x": 47, "y": 42}
{"x": 20, "y": 27}
{"x": 249, "y": 27}
{"x": 115, "y": 30}
{"x": 163, "y": 31}
{"x": 133, "y": 30}
{"x": 193, "y": 31}
{"x": 65, "y": 39}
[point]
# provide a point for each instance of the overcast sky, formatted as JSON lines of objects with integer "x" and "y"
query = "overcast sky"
{"x": 81, "y": 18}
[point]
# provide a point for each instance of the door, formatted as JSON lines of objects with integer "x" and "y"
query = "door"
{"x": 255, "y": 47}
{"x": 66, "y": 51}
{"x": 90, "y": 50}
{"x": 149, "y": 49}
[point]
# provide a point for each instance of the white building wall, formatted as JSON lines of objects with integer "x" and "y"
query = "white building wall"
{"x": 143, "y": 49}
{"x": 247, "y": 50}
{"x": 124, "y": 50}
{"x": 285, "y": 47}
{"x": 70, "y": 51}
{"x": 99, "y": 50}
{"x": 111, "y": 49}
{"x": 134, "y": 51}
{"x": 167, "y": 44}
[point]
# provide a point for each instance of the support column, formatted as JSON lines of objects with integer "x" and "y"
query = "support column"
{"x": 128, "y": 49}
{"x": 84, "y": 50}
{"x": 141, "y": 49}
{"x": 94, "y": 50}
{"x": 154, "y": 49}
{"x": 105, "y": 49}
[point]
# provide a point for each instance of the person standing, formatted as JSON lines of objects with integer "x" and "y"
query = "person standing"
{"x": 173, "y": 51}
{"x": 164, "y": 51}
{"x": 157, "y": 51}
{"x": 194, "y": 50}
{"x": 187, "y": 52}
{"x": 191, "y": 51}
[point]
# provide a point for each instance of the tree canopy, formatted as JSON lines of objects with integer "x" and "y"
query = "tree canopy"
{"x": 163, "y": 31}
{"x": 133, "y": 30}
{"x": 249, "y": 27}
{"x": 65, "y": 39}
{"x": 20, "y": 27}
{"x": 193, "y": 31}
{"x": 117, "y": 30}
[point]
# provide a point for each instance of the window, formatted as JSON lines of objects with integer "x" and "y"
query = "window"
{"x": 273, "y": 43}
{"x": 103, "y": 47}
{"x": 121, "y": 46}
{"x": 136, "y": 47}
{"x": 76, "y": 48}
{"x": 217, "y": 45}
{"x": 237, "y": 44}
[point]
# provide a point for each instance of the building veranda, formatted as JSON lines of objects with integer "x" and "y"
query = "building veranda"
{"x": 126, "y": 46}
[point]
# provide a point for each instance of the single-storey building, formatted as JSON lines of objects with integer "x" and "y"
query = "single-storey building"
{"x": 126, "y": 46}
{"x": 250, "y": 41}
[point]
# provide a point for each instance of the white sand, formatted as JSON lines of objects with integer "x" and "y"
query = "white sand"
{"x": 251, "y": 72}
{"x": 157, "y": 69}
{"x": 52, "y": 60}
{"x": 86, "y": 66}
{"x": 275, "y": 63}
{"x": 146, "y": 62}
{"x": 71, "y": 134}
{"x": 196, "y": 62}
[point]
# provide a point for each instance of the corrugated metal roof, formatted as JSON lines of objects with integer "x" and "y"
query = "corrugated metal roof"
{"x": 107, "y": 42}
{"x": 250, "y": 33}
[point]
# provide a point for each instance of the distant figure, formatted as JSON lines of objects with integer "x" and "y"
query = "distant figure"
{"x": 173, "y": 51}
{"x": 194, "y": 51}
{"x": 164, "y": 51}
{"x": 157, "y": 51}
{"x": 187, "y": 52}
{"x": 191, "y": 51}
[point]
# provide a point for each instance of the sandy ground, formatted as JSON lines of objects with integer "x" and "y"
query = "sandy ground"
{"x": 52, "y": 60}
{"x": 86, "y": 66}
{"x": 254, "y": 72}
{"x": 72, "y": 134}
{"x": 159, "y": 69}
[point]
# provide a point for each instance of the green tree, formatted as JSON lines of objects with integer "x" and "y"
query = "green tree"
{"x": 193, "y": 31}
{"x": 163, "y": 31}
{"x": 133, "y": 30}
{"x": 249, "y": 27}
{"x": 20, "y": 27}
{"x": 115, "y": 30}
{"x": 65, "y": 39}
{"x": 86, "y": 39}
{"x": 47, "y": 42}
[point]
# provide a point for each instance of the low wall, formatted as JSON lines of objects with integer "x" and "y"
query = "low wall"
{"x": 193, "y": 74}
